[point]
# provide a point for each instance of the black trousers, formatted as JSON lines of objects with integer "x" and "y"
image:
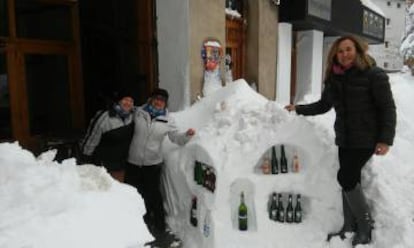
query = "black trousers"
{"x": 351, "y": 162}
{"x": 147, "y": 180}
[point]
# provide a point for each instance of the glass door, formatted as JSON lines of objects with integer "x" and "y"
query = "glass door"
{"x": 5, "y": 111}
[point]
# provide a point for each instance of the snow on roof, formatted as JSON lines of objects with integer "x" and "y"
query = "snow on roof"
{"x": 373, "y": 6}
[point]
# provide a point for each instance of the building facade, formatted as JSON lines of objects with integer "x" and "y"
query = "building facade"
{"x": 387, "y": 54}
{"x": 53, "y": 78}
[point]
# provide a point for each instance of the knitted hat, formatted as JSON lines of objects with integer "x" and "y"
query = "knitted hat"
{"x": 158, "y": 92}
{"x": 123, "y": 93}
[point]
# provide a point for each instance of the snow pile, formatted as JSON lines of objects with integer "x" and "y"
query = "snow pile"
{"x": 236, "y": 127}
{"x": 46, "y": 204}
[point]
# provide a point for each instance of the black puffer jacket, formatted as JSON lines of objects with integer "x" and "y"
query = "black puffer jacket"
{"x": 364, "y": 105}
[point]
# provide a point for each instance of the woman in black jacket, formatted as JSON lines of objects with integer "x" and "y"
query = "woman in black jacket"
{"x": 109, "y": 135}
{"x": 365, "y": 125}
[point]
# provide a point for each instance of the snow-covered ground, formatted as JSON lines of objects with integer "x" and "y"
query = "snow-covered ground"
{"x": 46, "y": 204}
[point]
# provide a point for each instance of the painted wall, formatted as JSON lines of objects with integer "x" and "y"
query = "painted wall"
{"x": 309, "y": 47}
{"x": 173, "y": 53}
{"x": 207, "y": 19}
{"x": 261, "y": 49}
{"x": 284, "y": 62}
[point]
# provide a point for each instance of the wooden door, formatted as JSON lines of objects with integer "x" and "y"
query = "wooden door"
{"x": 41, "y": 58}
{"x": 235, "y": 39}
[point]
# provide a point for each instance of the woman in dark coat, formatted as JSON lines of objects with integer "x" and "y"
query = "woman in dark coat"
{"x": 365, "y": 124}
{"x": 109, "y": 135}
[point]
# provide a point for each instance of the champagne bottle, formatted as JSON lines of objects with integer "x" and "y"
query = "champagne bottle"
{"x": 275, "y": 169}
{"x": 283, "y": 160}
{"x": 242, "y": 214}
{"x": 289, "y": 210}
{"x": 273, "y": 207}
{"x": 298, "y": 210}
{"x": 280, "y": 209}
{"x": 266, "y": 166}
{"x": 295, "y": 163}
{"x": 193, "y": 212}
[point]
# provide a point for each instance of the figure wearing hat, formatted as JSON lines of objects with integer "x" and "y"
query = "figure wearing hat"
{"x": 143, "y": 170}
{"x": 109, "y": 135}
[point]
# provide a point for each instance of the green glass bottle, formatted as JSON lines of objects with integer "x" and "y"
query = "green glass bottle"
{"x": 275, "y": 166}
{"x": 273, "y": 207}
{"x": 289, "y": 210}
{"x": 242, "y": 214}
{"x": 280, "y": 209}
{"x": 197, "y": 172}
{"x": 283, "y": 160}
{"x": 298, "y": 210}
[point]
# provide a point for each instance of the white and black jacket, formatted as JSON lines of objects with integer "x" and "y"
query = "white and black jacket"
{"x": 145, "y": 148}
{"x": 108, "y": 138}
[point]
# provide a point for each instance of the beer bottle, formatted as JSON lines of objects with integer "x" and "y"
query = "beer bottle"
{"x": 273, "y": 207}
{"x": 298, "y": 210}
{"x": 280, "y": 209}
{"x": 193, "y": 212}
{"x": 275, "y": 169}
{"x": 283, "y": 160}
{"x": 295, "y": 163}
{"x": 242, "y": 214}
{"x": 289, "y": 210}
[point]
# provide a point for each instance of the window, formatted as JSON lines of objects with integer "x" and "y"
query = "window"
{"x": 4, "y": 22}
{"x": 388, "y": 21}
{"x": 5, "y": 117}
{"x": 37, "y": 20}
{"x": 386, "y": 44}
{"x": 389, "y": 3}
{"x": 398, "y": 5}
{"x": 385, "y": 64}
{"x": 48, "y": 94}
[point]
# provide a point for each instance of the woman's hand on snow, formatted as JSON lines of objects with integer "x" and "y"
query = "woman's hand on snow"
{"x": 290, "y": 107}
{"x": 381, "y": 149}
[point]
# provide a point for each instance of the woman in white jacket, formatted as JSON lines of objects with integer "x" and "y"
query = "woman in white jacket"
{"x": 143, "y": 170}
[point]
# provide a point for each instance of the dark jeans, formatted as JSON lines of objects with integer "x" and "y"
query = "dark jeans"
{"x": 147, "y": 180}
{"x": 351, "y": 162}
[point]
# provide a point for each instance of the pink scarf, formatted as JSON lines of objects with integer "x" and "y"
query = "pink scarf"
{"x": 339, "y": 69}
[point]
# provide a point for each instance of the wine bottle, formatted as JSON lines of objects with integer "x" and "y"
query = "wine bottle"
{"x": 289, "y": 210}
{"x": 203, "y": 174}
{"x": 212, "y": 181}
{"x": 275, "y": 166}
{"x": 193, "y": 212}
{"x": 295, "y": 163}
{"x": 206, "y": 183}
{"x": 273, "y": 207}
{"x": 242, "y": 214}
{"x": 298, "y": 210}
{"x": 197, "y": 172}
{"x": 266, "y": 166}
{"x": 283, "y": 160}
{"x": 280, "y": 209}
